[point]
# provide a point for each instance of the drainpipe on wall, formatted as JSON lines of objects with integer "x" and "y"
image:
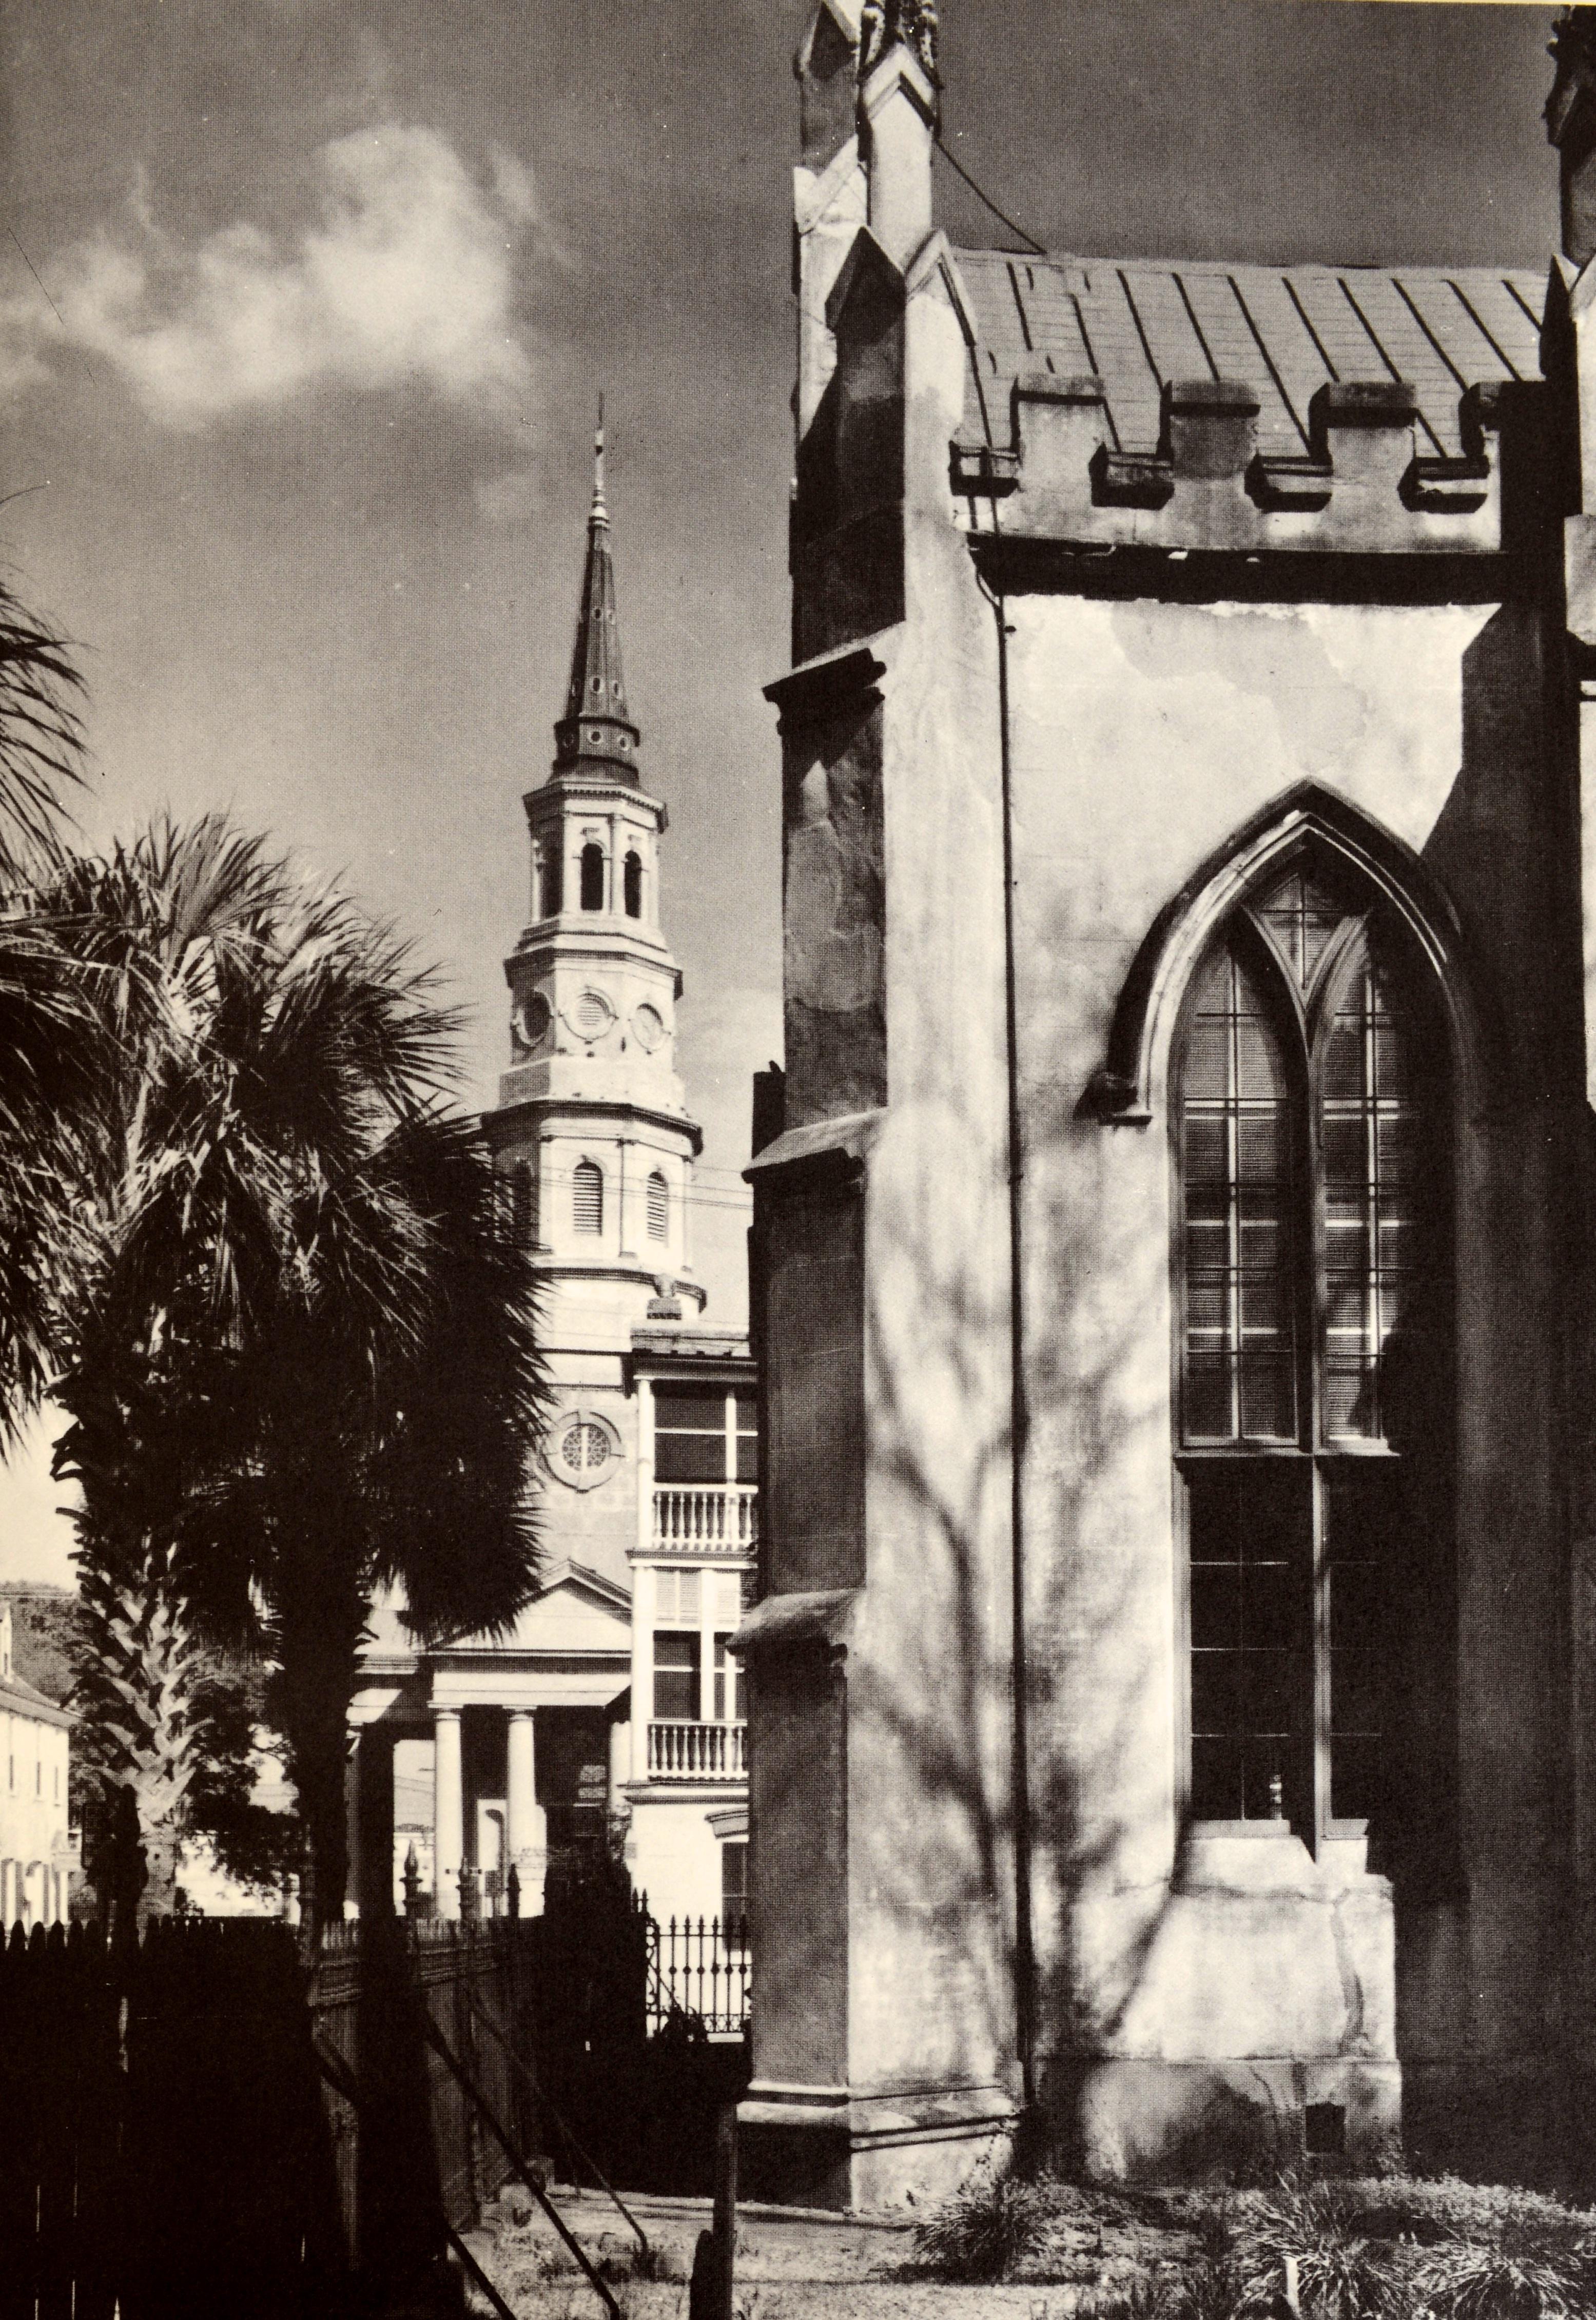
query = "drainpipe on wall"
{"x": 1024, "y": 1945}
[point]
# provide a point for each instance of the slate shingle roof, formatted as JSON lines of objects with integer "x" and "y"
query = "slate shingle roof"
{"x": 1283, "y": 331}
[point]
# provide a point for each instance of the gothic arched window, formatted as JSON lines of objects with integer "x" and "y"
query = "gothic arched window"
{"x": 1312, "y": 1109}
{"x": 587, "y": 1197}
{"x": 632, "y": 884}
{"x": 659, "y": 1206}
{"x": 593, "y": 877}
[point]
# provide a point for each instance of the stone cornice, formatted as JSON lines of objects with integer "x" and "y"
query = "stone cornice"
{"x": 585, "y": 1113}
{"x": 826, "y": 687}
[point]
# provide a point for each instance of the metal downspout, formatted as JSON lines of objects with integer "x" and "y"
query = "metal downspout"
{"x": 1024, "y": 1945}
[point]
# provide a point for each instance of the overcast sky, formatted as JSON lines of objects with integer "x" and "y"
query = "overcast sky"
{"x": 304, "y": 305}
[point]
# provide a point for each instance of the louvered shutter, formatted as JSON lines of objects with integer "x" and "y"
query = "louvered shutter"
{"x": 587, "y": 1197}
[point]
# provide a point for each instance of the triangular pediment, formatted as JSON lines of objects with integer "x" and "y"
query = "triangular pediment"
{"x": 577, "y": 1610}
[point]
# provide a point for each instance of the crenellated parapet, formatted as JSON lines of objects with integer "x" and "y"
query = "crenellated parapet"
{"x": 1367, "y": 478}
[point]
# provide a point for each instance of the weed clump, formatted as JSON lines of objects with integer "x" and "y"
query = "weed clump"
{"x": 1384, "y": 2249}
{"x": 988, "y": 2228}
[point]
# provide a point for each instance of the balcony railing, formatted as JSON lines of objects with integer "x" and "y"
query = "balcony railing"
{"x": 698, "y": 1752}
{"x": 706, "y": 1518}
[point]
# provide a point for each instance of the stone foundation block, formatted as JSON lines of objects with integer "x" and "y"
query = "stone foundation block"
{"x": 847, "y": 2149}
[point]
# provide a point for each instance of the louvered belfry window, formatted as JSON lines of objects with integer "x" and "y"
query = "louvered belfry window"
{"x": 587, "y": 1197}
{"x": 659, "y": 1206}
{"x": 524, "y": 1207}
{"x": 1311, "y": 1100}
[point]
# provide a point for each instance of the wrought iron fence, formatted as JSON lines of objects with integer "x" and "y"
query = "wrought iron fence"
{"x": 700, "y": 1976}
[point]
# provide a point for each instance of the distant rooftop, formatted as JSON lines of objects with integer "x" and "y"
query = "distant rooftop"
{"x": 1282, "y": 330}
{"x": 24, "y": 1699}
{"x": 670, "y": 1341}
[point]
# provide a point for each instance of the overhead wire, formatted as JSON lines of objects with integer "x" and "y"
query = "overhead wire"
{"x": 1038, "y": 248}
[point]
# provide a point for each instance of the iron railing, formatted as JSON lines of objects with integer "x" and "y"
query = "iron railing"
{"x": 700, "y": 1977}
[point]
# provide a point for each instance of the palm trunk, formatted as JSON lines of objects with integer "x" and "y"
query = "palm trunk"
{"x": 136, "y": 1671}
{"x": 318, "y": 1642}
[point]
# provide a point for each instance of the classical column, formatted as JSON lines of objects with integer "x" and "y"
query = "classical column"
{"x": 448, "y": 1818}
{"x": 351, "y": 1824}
{"x": 642, "y": 1657}
{"x": 525, "y": 1841}
{"x": 619, "y": 1765}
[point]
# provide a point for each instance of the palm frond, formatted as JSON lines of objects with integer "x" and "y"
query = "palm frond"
{"x": 40, "y": 741}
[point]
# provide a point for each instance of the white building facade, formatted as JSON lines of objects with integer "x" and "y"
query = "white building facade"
{"x": 35, "y": 1849}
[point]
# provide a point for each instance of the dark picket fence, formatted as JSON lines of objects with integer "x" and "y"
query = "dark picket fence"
{"x": 193, "y": 2126}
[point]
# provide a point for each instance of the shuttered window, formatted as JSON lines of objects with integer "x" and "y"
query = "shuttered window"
{"x": 676, "y": 1675}
{"x": 587, "y": 1197}
{"x": 659, "y": 1206}
{"x": 524, "y": 1207}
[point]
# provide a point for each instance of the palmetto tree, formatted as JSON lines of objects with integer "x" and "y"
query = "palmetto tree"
{"x": 376, "y": 1459}
{"x": 266, "y": 1253}
{"x": 41, "y": 1082}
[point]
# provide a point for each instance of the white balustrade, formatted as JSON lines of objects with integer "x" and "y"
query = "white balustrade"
{"x": 698, "y": 1752}
{"x": 707, "y": 1519}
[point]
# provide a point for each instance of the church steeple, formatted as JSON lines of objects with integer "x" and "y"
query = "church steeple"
{"x": 591, "y": 1129}
{"x": 595, "y": 729}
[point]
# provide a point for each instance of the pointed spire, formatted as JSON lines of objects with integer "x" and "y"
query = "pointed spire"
{"x": 599, "y": 513}
{"x": 596, "y": 728}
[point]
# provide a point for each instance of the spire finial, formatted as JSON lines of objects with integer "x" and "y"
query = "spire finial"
{"x": 596, "y": 729}
{"x": 600, "y": 512}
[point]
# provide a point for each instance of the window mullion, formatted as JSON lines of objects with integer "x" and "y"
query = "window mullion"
{"x": 1233, "y": 1199}
{"x": 1322, "y": 1662}
{"x": 1372, "y": 1342}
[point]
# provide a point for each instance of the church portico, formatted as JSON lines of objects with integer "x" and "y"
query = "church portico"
{"x": 513, "y": 1767}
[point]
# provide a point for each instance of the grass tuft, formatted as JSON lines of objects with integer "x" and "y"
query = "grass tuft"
{"x": 989, "y": 2226}
{"x": 1382, "y": 2249}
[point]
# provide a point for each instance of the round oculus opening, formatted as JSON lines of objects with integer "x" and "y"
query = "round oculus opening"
{"x": 584, "y": 1446}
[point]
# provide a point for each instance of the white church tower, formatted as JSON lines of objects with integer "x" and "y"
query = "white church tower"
{"x": 612, "y": 1714}
{"x": 591, "y": 1124}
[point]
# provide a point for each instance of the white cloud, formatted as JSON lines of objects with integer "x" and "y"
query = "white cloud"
{"x": 408, "y": 277}
{"x": 20, "y": 362}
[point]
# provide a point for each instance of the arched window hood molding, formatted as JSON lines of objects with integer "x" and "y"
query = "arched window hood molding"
{"x": 1131, "y": 1085}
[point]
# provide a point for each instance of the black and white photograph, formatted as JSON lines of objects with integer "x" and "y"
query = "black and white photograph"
{"x": 797, "y": 1160}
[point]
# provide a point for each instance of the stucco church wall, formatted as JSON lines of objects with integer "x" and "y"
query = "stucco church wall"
{"x": 928, "y": 1663}
{"x": 896, "y": 1015}
{"x": 1143, "y": 735}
